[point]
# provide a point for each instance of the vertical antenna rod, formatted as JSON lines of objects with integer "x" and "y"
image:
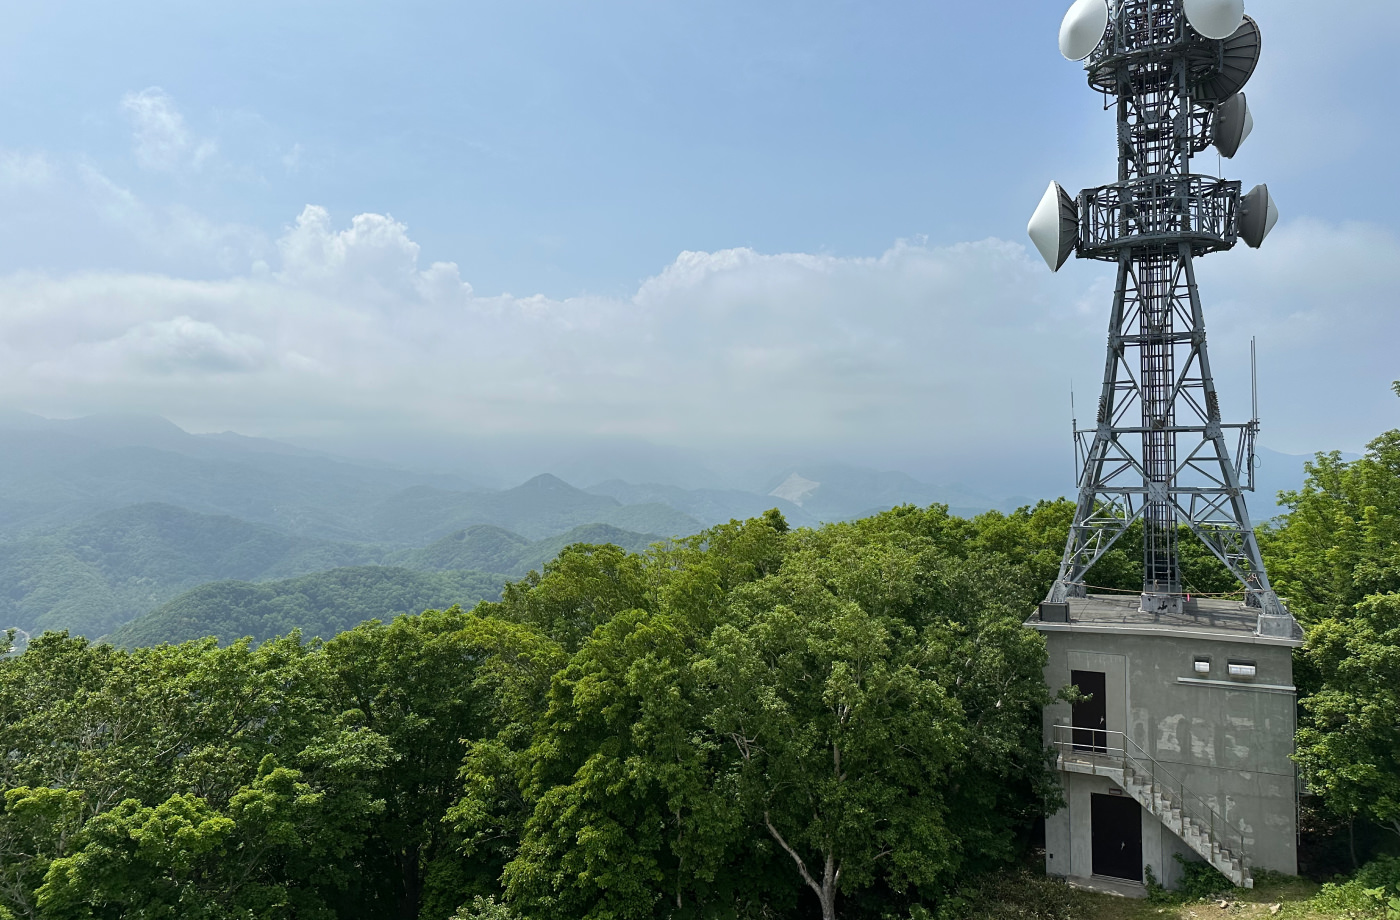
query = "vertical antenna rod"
{"x": 1253, "y": 379}
{"x": 1158, "y": 456}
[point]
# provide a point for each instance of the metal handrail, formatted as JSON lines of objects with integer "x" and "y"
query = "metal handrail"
{"x": 1222, "y": 830}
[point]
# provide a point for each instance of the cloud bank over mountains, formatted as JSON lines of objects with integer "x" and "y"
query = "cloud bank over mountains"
{"x": 350, "y": 323}
{"x": 343, "y": 328}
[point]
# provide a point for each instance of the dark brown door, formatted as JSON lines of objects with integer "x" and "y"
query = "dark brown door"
{"x": 1090, "y": 715}
{"x": 1117, "y": 831}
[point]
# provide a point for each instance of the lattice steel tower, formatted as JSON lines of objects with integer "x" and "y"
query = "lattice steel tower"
{"x": 1172, "y": 70}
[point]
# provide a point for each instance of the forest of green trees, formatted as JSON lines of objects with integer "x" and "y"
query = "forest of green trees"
{"x": 754, "y": 722}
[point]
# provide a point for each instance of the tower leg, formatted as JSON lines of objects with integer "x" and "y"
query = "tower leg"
{"x": 1101, "y": 517}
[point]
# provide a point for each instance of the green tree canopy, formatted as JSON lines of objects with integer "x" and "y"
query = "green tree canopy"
{"x": 1341, "y": 539}
{"x": 1349, "y": 748}
{"x": 753, "y": 721}
{"x": 757, "y": 712}
{"x": 1336, "y": 559}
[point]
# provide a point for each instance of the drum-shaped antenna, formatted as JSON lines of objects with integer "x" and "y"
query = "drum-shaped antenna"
{"x": 1054, "y": 227}
{"x": 1231, "y": 125}
{"x": 1238, "y": 56}
{"x": 1257, "y": 216}
{"x": 1214, "y": 18}
{"x": 1083, "y": 28}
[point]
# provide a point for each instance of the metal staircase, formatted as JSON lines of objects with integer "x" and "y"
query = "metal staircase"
{"x": 1199, "y": 825}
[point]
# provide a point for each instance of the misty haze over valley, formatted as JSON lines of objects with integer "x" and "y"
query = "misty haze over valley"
{"x": 110, "y": 525}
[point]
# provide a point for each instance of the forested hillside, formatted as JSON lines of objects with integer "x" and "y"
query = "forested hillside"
{"x": 93, "y": 576}
{"x": 485, "y": 548}
{"x": 104, "y": 519}
{"x": 319, "y": 605}
{"x": 460, "y": 569}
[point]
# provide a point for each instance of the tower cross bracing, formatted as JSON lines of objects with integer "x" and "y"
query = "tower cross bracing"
{"x": 1159, "y": 452}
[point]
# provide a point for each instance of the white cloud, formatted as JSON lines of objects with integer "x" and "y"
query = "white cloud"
{"x": 24, "y": 170}
{"x": 947, "y": 350}
{"x": 373, "y": 259}
{"x": 173, "y": 234}
{"x": 726, "y": 345}
{"x": 161, "y": 141}
{"x": 178, "y": 346}
{"x": 291, "y": 160}
{"x": 1322, "y": 299}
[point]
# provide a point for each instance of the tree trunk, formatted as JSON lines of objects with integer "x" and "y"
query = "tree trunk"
{"x": 831, "y": 875}
{"x": 827, "y": 896}
{"x": 1351, "y": 842}
{"x": 411, "y": 893}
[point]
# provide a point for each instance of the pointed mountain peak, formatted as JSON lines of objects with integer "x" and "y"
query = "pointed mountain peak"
{"x": 544, "y": 482}
{"x": 795, "y": 489}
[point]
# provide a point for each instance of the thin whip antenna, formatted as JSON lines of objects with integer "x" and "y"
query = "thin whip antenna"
{"x": 1254, "y": 378}
{"x": 1074, "y": 431}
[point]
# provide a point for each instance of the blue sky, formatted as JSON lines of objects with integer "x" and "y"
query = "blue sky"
{"x": 780, "y": 229}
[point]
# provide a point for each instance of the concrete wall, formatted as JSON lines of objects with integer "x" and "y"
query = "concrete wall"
{"x": 1228, "y": 741}
{"x": 1068, "y": 837}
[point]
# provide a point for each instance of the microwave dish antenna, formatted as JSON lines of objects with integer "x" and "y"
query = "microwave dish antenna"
{"x": 1232, "y": 125}
{"x": 1156, "y": 454}
{"x": 1083, "y": 28}
{"x": 1227, "y": 69}
{"x": 1215, "y": 19}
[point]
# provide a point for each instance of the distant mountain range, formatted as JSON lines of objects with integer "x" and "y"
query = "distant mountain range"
{"x": 55, "y": 473}
{"x": 106, "y": 519}
{"x": 487, "y": 548}
{"x": 462, "y": 568}
{"x": 94, "y": 576}
{"x": 541, "y": 507}
{"x": 320, "y": 605}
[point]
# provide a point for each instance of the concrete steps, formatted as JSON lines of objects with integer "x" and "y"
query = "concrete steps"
{"x": 1161, "y": 803}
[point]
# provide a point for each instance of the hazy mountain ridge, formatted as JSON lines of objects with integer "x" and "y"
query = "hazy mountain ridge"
{"x": 708, "y": 506}
{"x": 320, "y": 605}
{"x": 487, "y": 548}
{"x": 809, "y": 495}
{"x": 56, "y": 473}
{"x": 483, "y": 547}
{"x": 540, "y": 507}
{"x": 105, "y": 519}
{"x": 50, "y": 478}
{"x": 835, "y": 491}
{"x": 92, "y": 576}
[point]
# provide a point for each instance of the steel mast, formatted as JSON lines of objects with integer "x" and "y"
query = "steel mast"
{"x": 1158, "y": 451}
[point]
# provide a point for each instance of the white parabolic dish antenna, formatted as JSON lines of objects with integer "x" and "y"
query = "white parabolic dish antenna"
{"x": 1083, "y": 28}
{"x": 1215, "y": 19}
{"x": 1054, "y": 226}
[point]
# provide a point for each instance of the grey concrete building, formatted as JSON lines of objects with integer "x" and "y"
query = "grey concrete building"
{"x": 1182, "y": 745}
